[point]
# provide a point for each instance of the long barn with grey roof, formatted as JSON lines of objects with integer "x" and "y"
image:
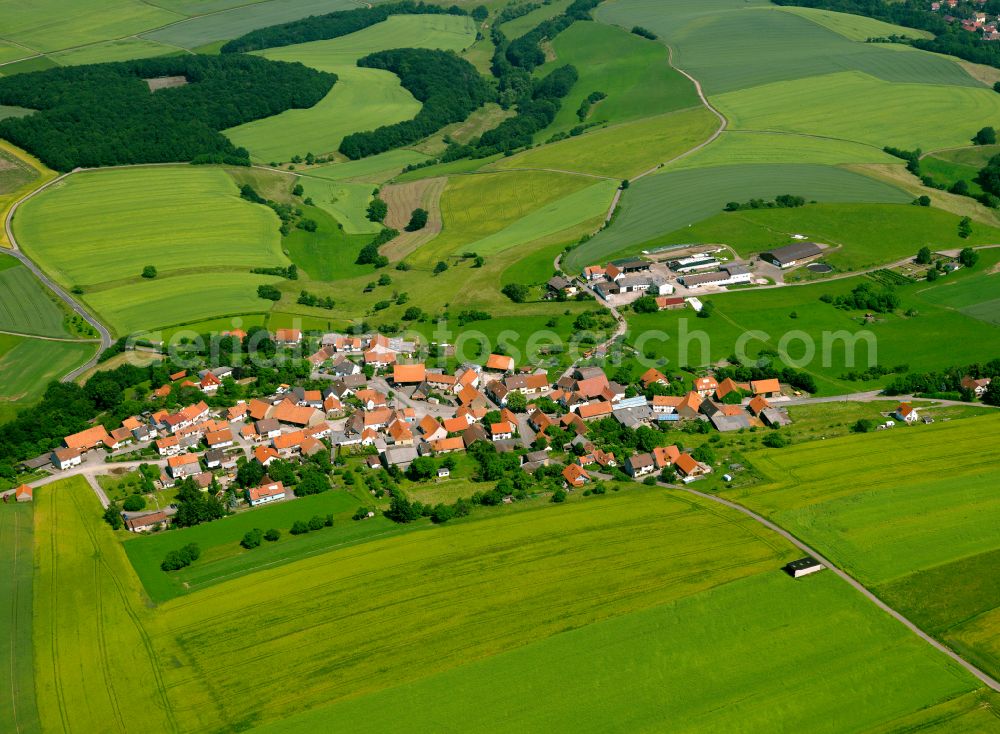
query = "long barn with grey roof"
{"x": 793, "y": 254}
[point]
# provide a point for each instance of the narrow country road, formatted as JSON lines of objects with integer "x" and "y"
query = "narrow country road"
{"x": 75, "y": 306}
{"x": 981, "y": 675}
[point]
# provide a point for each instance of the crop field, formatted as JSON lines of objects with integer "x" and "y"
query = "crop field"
{"x": 28, "y": 365}
{"x": 184, "y": 218}
{"x": 855, "y": 27}
{"x": 890, "y": 340}
{"x": 974, "y": 293}
{"x": 219, "y": 26}
{"x": 975, "y": 156}
{"x": 860, "y": 235}
{"x": 624, "y": 150}
{"x": 20, "y": 173}
{"x": 18, "y": 711}
{"x": 12, "y": 52}
{"x": 743, "y": 147}
{"x": 731, "y": 44}
{"x": 178, "y": 299}
{"x": 403, "y": 200}
{"x": 685, "y": 550}
{"x": 95, "y": 666}
{"x": 519, "y": 26}
{"x": 26, "y": 306}
{"x": 375, "y": 168}
{"x": 50, "y": 25}
{"x": 698, "y": 194}
{"x": 222, "y": 556}
{"x": 474, "y": 207}
{"x": 634, "y": 73}
{"x": 362, "y": 99}
{"x": 870, "y": 661}
{"x": 123, "y": 50}
{"x": 852, "y": 105}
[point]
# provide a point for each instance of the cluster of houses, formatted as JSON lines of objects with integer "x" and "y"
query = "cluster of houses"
{"x": 978, "y": 21}
{"x": 625, "y": 276}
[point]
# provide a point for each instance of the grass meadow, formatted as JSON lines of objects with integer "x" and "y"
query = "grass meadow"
{"x": 622, "y": 150}
{"x": 973, "y": 293}
{"x": 762, "y": 624}
{"x": 635, "y": 74}
{"x": 743, "y": 147}
{"x": 20, "y": 173}
{"x": 222, "y": 556}
{"x": 329, "y": 253}
{"x": 346, "y": 201}
{"x": 18, "y": 711}
{"x": 376, "y": 168}
{"x": 697, "y": 194}
{"x": 733, "y": 45}
{"x": 362, "y": 99}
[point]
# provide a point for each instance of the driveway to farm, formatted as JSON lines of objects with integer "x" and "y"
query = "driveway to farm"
{"x": 981, "y": 675}
{"x": 15, "y": 251}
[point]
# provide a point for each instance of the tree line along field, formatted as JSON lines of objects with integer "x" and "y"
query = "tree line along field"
{"x": 697, "y": 194}
{"x": 899, "y": 524}
{"x": 362, "y": 99}
{"x": 588, "y": 627}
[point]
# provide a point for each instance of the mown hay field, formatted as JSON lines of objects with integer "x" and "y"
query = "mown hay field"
{"x": 761, "y": 625}
{"x": 732, "y": 45}
{"x": 623, "y": 150}
{"x": 362, "y": 99}
{"x": 634, "y": 73}
{"x": 853, "y": 105}
{"x": 667, "y": 201}
{"x": 18, "y": 711}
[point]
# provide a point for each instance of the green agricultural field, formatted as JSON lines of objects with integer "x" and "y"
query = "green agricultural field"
{"x": 972, "y": 292}
{"x": 698, "y": 194}
{"x": 178, "y": 299}
{"x": 20, "y": 173}
{"x": 476, "y": 206}
{"x": 211, "y": 326}
{"x": 742, "y": 147}
{"x": 557, "y": 216}
{"x": 123, "y": 50}
{"x": 50, "y": 25}
{"x": 519, "y": 26}
{"x": 95, "y": 663}
{"x": 534, "y": 269}
{"x": 948, "y": 172}
{"x": 860, "y": 235}
{"x": 177, "y": 219}
{"x": 222, "y": 556}
{"x": 12, "y": 52}
{"x": 685, "y": 550}
{"x": 28, "y": 365}
{"x": 362, "y": 99}
{"x": 920, "y": 532}
{"x": 328, "y": 253}
{"x": 855, "y": 27}
{"x": 219, "y": 26}
{"x": 766, "y": 314}
{"x": 374, "y": 168}
{"x": 18, "y": 711}
{"x": 27, "y": 307}
{"x": 732, "y": 44}
{"x": 8, "y": 111}
{"x": 975, "y": 156}
{"x": 880, "y": 671}
{"x": 633, "y": 72}
{"x": 624, "y": 150}
{"x": 853, "y": 105}
{"x": 346, "y": 201}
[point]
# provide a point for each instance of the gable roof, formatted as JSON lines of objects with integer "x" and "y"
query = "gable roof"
{"x": 408, "y": 373}
{"x": 500, "y": 362}
{"x": 88, "y": 438}
{"x": 575, "y": 474}
{"x": 651, "y": 376}
{"x": 593, "y": 410}
{"x": 764, "y": 386}
{"x": 289, "y": 412}
{"x": 274, "y": 489}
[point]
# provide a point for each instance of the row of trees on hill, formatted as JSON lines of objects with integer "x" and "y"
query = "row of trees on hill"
{"x": 105, "y": 114}
{"x": 449, "y": 87}
{"x": 330, "y": 25}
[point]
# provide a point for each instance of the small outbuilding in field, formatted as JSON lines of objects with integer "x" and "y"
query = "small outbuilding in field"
{"x": 803, "y": 567}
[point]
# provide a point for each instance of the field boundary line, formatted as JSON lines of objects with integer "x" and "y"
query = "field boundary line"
{"x": 984, "y": 677}
{"x": 50, "y": 338}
